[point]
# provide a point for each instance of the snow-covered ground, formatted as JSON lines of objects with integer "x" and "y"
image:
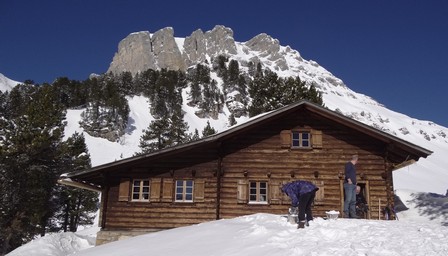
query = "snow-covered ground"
{"x": 415, "y": 233}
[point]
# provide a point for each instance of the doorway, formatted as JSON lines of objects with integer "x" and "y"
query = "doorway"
{"x": 362, "y": 199}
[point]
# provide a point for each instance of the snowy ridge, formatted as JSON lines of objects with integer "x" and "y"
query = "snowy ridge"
{"x": 6, "y": 84}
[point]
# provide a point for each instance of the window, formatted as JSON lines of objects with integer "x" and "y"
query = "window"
{"x": 258, "y": 192}
{"x": 301, "y": 139}
{"x": 184, "y": 190}
{"x": 140, "y": 190}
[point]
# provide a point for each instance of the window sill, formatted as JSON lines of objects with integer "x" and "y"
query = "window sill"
{"x": 302, "y": 148}
{"x": 258, "y": 203}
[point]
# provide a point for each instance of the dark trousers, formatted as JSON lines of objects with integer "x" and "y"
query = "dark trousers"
{"x": 305, "y": 202}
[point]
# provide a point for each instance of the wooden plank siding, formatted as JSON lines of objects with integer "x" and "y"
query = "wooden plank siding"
{"x": 157, "y": 213}
{"x": 260, "y": 155}
{"x": 240, "y": 171}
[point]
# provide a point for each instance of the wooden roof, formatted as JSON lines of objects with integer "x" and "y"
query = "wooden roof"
{"x": 411, "y": 151}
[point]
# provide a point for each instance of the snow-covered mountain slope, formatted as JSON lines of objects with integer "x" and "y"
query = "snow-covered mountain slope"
{"x": 428, "y": 175}
{"x": 6, "y": 84}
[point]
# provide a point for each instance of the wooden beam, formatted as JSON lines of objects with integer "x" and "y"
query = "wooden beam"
{"x": 403, "y": 164}
{"x": 71, "y": 183}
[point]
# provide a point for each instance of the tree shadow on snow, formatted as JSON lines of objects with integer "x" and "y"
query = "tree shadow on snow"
{"x": 432, "y": 205}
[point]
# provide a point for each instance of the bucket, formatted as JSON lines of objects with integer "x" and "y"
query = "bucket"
{"x": 332, "y": 215}
{"x": 292, "y": 218}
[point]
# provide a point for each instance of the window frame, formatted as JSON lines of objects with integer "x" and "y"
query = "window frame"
{"x": 184, "y": 191}
{"x": 258, "y": 192}
{"x": 141, "y": 190}
{"x": 300, "y": 139}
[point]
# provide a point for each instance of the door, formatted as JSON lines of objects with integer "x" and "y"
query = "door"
{"x": 362, "y": 199}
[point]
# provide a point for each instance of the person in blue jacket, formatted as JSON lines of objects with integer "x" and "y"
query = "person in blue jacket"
{"x": 302, "y": 195}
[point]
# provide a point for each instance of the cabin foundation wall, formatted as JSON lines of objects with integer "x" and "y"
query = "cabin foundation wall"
{"x": 107, "y": 236}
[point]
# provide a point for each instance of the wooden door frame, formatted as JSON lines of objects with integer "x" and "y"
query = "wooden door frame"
{"x": 367, "y": 195}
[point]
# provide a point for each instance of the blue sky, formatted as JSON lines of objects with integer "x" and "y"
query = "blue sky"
{"x": 394, "y": 51}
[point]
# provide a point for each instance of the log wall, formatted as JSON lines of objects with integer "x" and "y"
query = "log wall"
{"x": 164, "y": 213}
{"x": 258, "y": 155}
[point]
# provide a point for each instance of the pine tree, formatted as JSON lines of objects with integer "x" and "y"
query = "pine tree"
{"x": 156, "y": 137}
{"x": 3, "y": 104}
{"x": 314, "y": 95}
{"x": 242, "y": 86}
{"x": 259, "y": 70}
{"x": 127, "y": 84}
{"x": 233, "y": 72}
{"x": 74, "y": 206}
{"x": 167, "y": 93}
{"x": 198, "y": 77}
{"x": 208, "y": 130}
{"x": 107, "y": 111}
{"x": 261, "y": 90}
{"x": 195, "y": 94}
{"x": 72, "y": 93}
{"x": 29, "y": 166}
{"x": 220, "y": 67}
{"x": 269, "y": 92}
{"x": 232, "y": 120}
{"x": 18, "y": 100}
{"x": 178, "y": 128}
{"x": 195, "y": 135}
{"x": 145, "y": 82}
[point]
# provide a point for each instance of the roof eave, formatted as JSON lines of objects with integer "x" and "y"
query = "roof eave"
{"x": 417, "y": 151}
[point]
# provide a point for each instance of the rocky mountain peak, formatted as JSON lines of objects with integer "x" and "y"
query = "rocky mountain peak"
{"x": 195, "y": 48}
{"x": 134, "y": 54}
{"x": 220, "y": 41}
{"x": 269, "y": 48}
{"x": 141, "y": 51}
{"x": 264, "y": 44}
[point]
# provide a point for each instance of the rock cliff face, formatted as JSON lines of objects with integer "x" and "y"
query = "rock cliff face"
{"x": 195, "y": 48}
{"x": 134, "y": 54}
{"x": 165, "y": 50}
{"x": 220, "y": 41}
{"x": 142, "y": 50}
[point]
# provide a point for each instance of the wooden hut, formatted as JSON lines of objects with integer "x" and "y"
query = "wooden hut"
{"x": 240, "y": 171}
